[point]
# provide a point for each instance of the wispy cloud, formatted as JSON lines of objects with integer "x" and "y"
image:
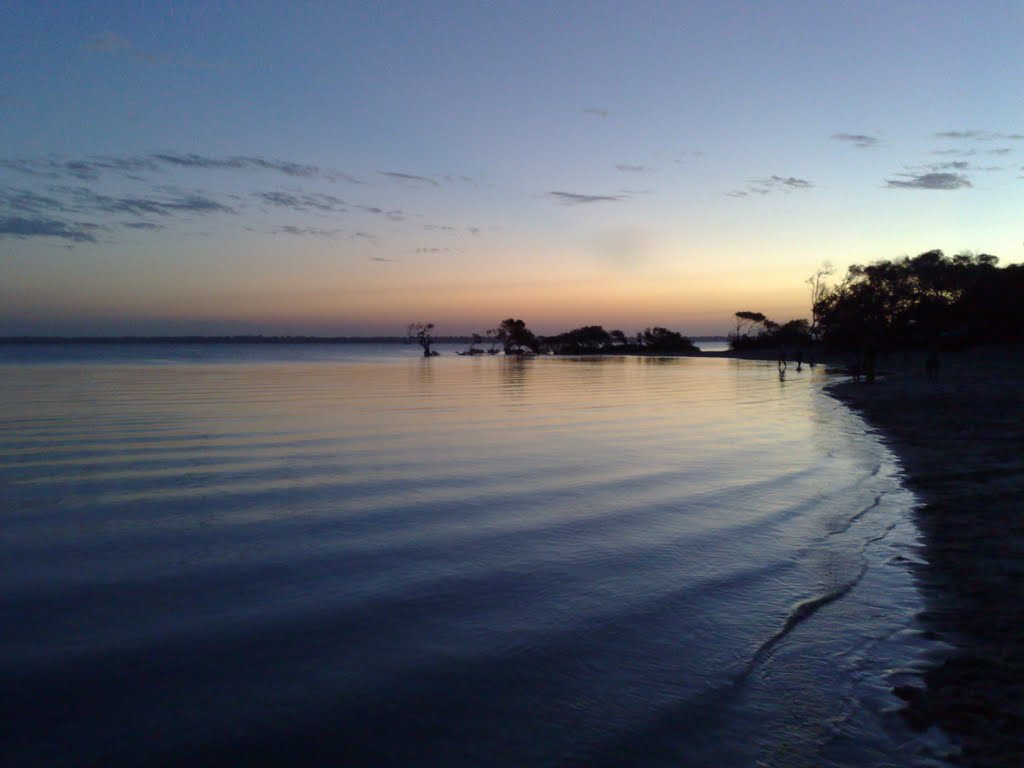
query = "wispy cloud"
{"x": 170, "y": 203}
{"x": 859, "y": 140}
{"x": 575, "y": 198}
{"x": 785, "y": 182}
{"x": 78, "y": 200}
{"x": 26, "y": 201}
{"x": 595, "y": 111}
{"x": 135, "y": 167}
{"x": 86, "y": 169}
{"x": 409, "y": 178}
{"x": 384, "y": 259}
{"x": 238, "y": 162}
{"x": 131, "y": 193}
{"x": 303, "y": 201}
{"x": 25, "y": 227}
{"x": 629, "y": 168}
{"x": 289, "y": 229}
{"x": 392, "y": 215}
{"x": 772, "y": 184}
{"x": 979, "y": 135}
{"x": 943, "y": 181}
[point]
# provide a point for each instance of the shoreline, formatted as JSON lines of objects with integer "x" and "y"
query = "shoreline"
{"x": 960, "y": 440}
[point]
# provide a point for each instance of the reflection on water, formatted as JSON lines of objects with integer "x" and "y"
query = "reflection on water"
{"x": 449, "y": 561}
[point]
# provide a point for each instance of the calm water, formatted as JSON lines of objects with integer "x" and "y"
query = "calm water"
{"x": 355, "y": 556}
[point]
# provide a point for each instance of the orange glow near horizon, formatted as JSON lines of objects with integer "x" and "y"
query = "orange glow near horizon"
{"x": 551, "y": 292}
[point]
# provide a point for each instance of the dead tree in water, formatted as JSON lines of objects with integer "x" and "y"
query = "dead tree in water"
{"x": 422, "y": 334}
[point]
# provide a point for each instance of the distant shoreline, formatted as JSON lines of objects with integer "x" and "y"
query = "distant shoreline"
{"x": 254, "y": 339}
{"x": 959, "y": 438}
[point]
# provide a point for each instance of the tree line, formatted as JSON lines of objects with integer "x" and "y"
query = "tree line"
{"x": 912, "y": 302}
{"x": 513, "y": 337}
{"x": 907, "y": 303}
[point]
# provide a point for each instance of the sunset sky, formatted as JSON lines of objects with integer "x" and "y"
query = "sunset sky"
{"x": 348, "y": 168}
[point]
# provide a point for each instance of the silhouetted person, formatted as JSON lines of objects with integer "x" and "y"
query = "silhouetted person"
{"x": 854, "y": 368}
{"x": 782, "y": 359}
{"x": 799, "y": 359}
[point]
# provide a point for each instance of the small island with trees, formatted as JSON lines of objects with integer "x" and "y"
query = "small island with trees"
{"x": 512, "y": 337}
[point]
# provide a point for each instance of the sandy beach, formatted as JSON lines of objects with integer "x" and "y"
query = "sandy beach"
{"x": 960, "y": 438}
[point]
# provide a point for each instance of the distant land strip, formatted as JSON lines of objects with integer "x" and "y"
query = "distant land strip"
{"x": 252, "y": 339}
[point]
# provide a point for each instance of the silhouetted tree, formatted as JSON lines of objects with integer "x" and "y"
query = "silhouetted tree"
{"x": 663, "y": 340}
{"x": 818, "y": 285}
{"x": 472, "y": 349}
{"x": 422, "y": 334}
{"x": 495, "y": 336}
{"x": 915, "y": 301}
{"x": 518, "y": 338}
{"x": 747, "y": 321}
{"x": 769, "y": 334}
{"x": 579, "y": 341}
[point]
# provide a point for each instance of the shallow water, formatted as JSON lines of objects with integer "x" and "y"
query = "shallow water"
{"x": 363, "y": 557}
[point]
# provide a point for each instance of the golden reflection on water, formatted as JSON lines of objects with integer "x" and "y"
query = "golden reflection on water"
{"x": 75, "y": 405}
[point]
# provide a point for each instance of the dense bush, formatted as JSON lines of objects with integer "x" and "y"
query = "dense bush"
{"x": 923, "y": 300}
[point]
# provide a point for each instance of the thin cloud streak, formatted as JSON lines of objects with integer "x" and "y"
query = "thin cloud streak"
{"x": 575, "y": 198}
{"x": 303, "y": 201}
{"x": 172, "y": 203}
{"x": 978, "y": 135}
{"x": 23, "y": 227}
{"x": 91, "y": 168}
{"x": 859, "y": 140}
{"x": 407, "y": 178}
{"x": 942, "y": 181}
{"x": 289, "y": 229}
{"x": 772, "y": 184}
{"x": 87, "y": 169}
{"x": 238, "y": 162}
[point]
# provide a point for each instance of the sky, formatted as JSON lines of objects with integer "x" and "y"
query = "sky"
{"x": 350, "y": 168}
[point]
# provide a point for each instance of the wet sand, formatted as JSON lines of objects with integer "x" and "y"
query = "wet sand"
{"x": 960, "y": 438}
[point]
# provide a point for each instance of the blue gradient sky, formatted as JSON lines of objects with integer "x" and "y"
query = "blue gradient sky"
{"x": 263, "y": 168}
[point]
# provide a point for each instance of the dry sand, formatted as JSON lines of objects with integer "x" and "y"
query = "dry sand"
{"x": 960, "y": 438}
